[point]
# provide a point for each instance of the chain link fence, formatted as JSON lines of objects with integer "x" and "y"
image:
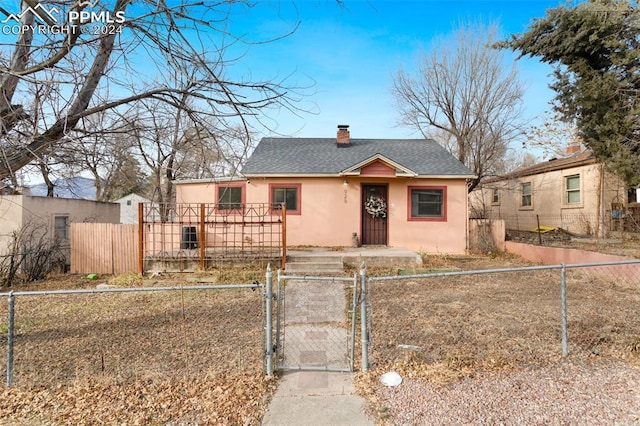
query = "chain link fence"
{"x": 494, "y": 318}
{"x": 55, "y": 337}
{"x": 622, "y": 223}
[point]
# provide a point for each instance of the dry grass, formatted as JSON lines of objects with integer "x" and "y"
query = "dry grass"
{"x": 196, "y": 357}
{"x": 182, "y": 357}
{"x": 494, "y": 322}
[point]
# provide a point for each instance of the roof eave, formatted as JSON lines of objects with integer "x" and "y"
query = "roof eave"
{"x": 542, "y": 170}
{"x": 447, "y": 177}
{"x": 211, "y": 180}
{"x": 353, "y": 174}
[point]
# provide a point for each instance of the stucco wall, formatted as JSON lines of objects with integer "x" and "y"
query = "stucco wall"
{"x": 197, "y": 192}
{"x": 548, "y": 200}
{"x": 10, "y": 219}
{"x": 17, "y": 211}
{"x": 44, "y": 209}
{"x": 559, "y": 255}
{"x": 432, "y": 237}
{"x": 567, "y": 256}
{"x": 331, "y": 211}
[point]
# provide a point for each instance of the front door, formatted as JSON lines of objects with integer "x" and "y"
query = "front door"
{"x": 374, "y": 214}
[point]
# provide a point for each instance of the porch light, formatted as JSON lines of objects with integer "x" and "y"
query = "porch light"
{"x": 345, "y": 182}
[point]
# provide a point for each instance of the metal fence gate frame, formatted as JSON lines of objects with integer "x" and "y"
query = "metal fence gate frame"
{"x": 295, "y": 339}
{"x": 299, "y": 345}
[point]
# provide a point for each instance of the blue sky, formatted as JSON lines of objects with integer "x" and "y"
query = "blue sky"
{"x": 350, "y": 53}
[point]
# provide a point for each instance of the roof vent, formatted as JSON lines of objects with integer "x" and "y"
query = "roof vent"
{"x": 343, "y": 138}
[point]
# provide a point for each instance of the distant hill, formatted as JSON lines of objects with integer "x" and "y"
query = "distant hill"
{"x": 77, "y": 187}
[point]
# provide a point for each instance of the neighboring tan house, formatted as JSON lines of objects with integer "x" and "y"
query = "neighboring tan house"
{"x": 129, "y": 208}
{"x": 574, "y": 193}
{"x": 407, "y": 193}
{"x": 40, "y": 219}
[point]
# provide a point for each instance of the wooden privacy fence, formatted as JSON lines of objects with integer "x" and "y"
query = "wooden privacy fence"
{"x": 103, "y": 248}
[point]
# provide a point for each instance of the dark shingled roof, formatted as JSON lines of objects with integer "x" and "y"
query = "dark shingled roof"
{"x": 318, "y": 156}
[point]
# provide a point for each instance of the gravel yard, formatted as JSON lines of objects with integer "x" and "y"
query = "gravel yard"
{"x": 568, "y": 393}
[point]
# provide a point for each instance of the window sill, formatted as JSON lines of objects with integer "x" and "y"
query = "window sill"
{"x": 427, "y": 219}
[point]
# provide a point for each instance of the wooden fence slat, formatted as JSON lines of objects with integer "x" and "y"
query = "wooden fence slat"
{"x": 103, "y": 248}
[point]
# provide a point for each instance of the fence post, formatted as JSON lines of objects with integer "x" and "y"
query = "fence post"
{"x": 284, "y": 237}
{"x": 10, "y": 334}
{"x": 563, "y": 309}
{"x": 269, "y": 321}
{"x": 202, "y": 238}
{"x": 141, "y": 238}
{"x": 363, "y": 317}
{"x": 354, "y": 309}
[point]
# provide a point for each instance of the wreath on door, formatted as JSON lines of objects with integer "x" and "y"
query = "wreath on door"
{"x": 376, "y": 206}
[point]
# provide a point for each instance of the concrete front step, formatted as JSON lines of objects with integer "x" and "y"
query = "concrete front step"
{"x": 310, "y": 267}
{"x": 315, "y": 264}
{"x": 293, "y": 258}
{"x": 310, "y": 272}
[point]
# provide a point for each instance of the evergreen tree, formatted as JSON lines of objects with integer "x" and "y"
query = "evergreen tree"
{"x": 594, "y": 48}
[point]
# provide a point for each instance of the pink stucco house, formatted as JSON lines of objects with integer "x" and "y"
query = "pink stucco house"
{"x": 407, "y": 193}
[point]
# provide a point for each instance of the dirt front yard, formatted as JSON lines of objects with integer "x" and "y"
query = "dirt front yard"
{"x": 179, "y": 357}
{"x": 184, "y": 358}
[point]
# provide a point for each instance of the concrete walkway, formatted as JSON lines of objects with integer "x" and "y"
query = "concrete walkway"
{"x": 316, "y": 398}
{"x": 315, "y": 320}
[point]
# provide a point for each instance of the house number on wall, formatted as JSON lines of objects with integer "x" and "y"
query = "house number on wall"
{"x": 345, "y": 195}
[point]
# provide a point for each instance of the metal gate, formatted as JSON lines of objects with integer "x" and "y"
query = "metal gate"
{"x": 315, "y": 323}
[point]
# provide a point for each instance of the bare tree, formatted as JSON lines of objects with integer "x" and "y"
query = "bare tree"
{"x": 96, "y": 66}
{"x": 553, "y": 136}
{"x": 102, "y": 146}
{"x": 32, "y": 253}
{"x": 464, "y": 95}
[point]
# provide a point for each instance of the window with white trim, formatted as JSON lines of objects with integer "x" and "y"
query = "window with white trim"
{"x": 495, "y": 196}
{"x": 572, "y": 189}
{"x": 525, "y": 189}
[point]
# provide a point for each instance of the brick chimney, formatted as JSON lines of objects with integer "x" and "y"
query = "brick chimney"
{"x": 573, "y": 148}
{"x": 343, "y": 139}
